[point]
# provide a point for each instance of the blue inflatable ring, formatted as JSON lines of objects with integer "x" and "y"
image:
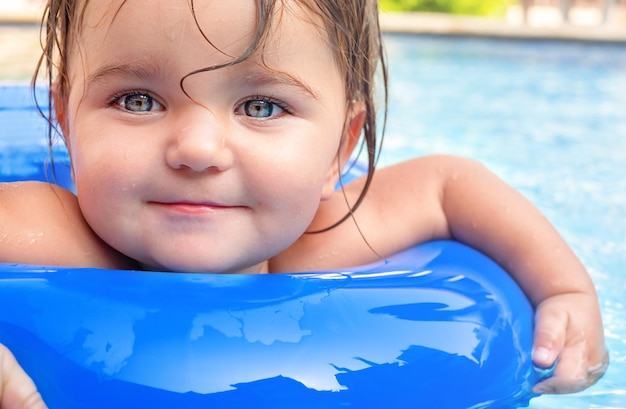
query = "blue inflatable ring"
{"x": 436, "y": 326}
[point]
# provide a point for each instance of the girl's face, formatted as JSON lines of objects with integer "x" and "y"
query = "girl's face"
{"x": 222, "y": 179}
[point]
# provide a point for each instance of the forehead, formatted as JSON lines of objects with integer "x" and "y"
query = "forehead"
{"x": 217, "y": 30}
{"x": 135, "y": 21}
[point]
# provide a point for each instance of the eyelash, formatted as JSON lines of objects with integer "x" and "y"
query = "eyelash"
{"x": 114, "y": 100}
{"x": 282, "y": 105}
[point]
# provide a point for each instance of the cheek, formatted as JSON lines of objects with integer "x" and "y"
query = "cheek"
{"x": 105, "y": 190}
{"x": 98, "y": 180}
{"x": 104, "y": 172}
{"x": 302, "y": 165}
{"x": 94, "y": 170}
{"x": 290, "y": 188}
{"x": 293, "y": 207}
{"x": 101, "y": 155}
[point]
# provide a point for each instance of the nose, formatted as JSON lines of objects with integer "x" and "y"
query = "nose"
{"x": 199, "y": 142}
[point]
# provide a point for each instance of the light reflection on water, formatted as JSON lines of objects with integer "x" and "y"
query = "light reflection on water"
{"x": 549, "y": 118}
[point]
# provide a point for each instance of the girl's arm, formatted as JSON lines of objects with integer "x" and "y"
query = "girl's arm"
{"x": 41, "y": 223}
{"x": 487, "y": 214}
{"x": 446, "y": 197}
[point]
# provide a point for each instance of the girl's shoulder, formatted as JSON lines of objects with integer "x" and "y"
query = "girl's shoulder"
{"x": 401, "y": 208}
{"x": 41, "y": 223}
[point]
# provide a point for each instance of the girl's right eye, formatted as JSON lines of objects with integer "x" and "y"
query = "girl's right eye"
{"x": 136, "y": 102}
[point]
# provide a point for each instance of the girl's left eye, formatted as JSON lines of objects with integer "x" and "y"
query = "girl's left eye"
{"x": 138, "y": 102}
{"x": 261, "y": 108}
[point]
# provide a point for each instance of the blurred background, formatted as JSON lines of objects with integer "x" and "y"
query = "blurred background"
{"x": 603, "y": 20}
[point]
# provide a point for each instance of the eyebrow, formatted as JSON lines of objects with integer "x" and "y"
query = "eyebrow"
{"x": 254, "y": 75}
{"x": 258, "y": 76}
{"x": 138, "y": 70}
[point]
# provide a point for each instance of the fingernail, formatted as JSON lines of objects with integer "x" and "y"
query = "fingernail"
{"x": 542, "y": 355}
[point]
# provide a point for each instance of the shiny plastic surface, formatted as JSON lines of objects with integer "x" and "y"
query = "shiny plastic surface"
{"x": 439, "y": 325}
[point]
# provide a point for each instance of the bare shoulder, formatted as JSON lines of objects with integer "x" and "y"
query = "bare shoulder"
{"x": 41, "y": 223}
{"x": 403, "y": 207}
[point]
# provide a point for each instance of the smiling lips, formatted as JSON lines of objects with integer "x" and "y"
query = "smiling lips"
{"x": 192, "y": 208}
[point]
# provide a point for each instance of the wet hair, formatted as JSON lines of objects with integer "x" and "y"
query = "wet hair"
{"x": 350, "y": 26}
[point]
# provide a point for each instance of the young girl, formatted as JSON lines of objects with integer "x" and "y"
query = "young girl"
{"x": 208, "y": 136}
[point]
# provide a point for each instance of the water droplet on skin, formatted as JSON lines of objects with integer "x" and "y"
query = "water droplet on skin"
{"x": 24, "y": 237}
{"x": 34, "y": 237}
{"x": 326, "y": 256}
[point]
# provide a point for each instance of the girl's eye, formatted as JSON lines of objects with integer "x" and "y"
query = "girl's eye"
{"x": 137, "y": 102}
{"x": 261, "y": 108}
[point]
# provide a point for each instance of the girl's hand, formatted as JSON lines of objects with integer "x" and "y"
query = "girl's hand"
{"x": 17, "y": 390}
{"x": 568, "y": 331}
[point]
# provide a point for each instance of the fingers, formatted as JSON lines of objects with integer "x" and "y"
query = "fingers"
{"x": 569, "y": 328}
{"x": 17, "y": 390}
{"x": 550, "y": 336}
{"x": 573, "y": 374}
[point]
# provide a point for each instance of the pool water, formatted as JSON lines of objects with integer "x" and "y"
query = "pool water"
{"x": 550, "y": 119}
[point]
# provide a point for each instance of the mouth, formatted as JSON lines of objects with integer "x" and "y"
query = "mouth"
{"x": 191, "y": 208}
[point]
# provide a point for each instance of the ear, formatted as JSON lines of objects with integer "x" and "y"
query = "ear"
{"x": 351, "y": 136}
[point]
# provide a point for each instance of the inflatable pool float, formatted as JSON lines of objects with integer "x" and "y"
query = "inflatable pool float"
{"x": 436, "y": 326}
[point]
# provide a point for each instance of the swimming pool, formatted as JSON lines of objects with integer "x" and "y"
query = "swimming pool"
{"x": 549, "y": 118}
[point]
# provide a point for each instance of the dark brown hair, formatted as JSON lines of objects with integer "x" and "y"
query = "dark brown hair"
{"x": 350, "y": 26}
